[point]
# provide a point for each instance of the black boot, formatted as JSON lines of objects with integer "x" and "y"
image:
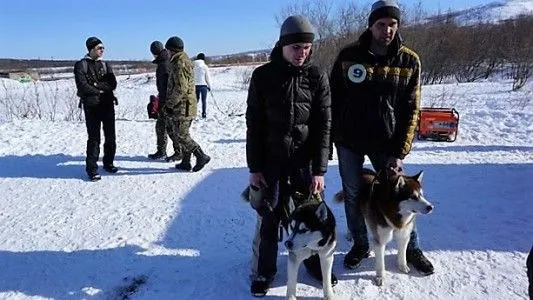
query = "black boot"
{"x": 110, "y": 168}
{"x": 419, "y": 261}
{"x": 174, "y": 157}
{"x": 260, "y": 286}
{"x": 157, "y": 155}
{"x": 201, "y": 159}
{"x": 185, "y": 164}
{"x": 94, "y": 176}
{"x": 312, "y": 264}
{"x": 354, "y": 257}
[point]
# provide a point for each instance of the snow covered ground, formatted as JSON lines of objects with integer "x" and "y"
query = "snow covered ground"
{"x": 150, "y": 232}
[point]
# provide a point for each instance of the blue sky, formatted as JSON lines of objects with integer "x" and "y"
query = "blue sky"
{"x": 58, "y": 28}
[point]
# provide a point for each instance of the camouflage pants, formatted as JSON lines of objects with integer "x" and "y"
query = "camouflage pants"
{"x": 162, "y": 128}
{"x": 180, "y": 132}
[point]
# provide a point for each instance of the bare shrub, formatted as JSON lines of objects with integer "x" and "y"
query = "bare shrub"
{"x": 245, "y": 77}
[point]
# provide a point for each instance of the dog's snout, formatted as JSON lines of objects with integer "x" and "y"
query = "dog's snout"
{"x": 429, "y": 209}
{"x": 289, "y": 244}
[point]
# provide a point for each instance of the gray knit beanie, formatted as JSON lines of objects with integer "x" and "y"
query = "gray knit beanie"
{"x": 384, "y": 8}
{"x": 296, "y": 29}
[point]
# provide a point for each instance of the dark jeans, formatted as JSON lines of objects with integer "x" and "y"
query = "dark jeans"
{"x": 201, "y": 92}
{"x": 350, "y": 168}
{"x": 265, "y": 243}
{"x": 95, "y": 118}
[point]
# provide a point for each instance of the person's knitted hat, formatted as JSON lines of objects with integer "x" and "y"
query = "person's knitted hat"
{"x": 156, "y": 47}
{"x": 174, "y": 44}
{"x": 200, "y": 56}
{"x": 382, "y": 9}
{"x": 92, "y": 42}
{"x": 296, "y": 29}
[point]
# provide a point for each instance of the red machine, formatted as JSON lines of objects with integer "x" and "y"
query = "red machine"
{"x": 438, "y": 124}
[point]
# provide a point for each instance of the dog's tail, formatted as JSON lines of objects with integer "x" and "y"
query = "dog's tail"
{"x": 245, "y": 195}
{"x": 339, "y": 197}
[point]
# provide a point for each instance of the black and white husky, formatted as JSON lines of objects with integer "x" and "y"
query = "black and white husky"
{"x": 312, "y": 231}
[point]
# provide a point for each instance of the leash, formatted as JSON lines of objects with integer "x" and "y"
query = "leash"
{"x": 312, "y": 199}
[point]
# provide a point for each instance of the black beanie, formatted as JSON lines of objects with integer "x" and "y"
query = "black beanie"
{"x": 92, "y": 42}
{"x": 156, "y": 47}
{"x": 174, "y": 44}
{"x": 200, "y": 56}
{"x": 382, "y": 9}
{"x": 296, "y": 29}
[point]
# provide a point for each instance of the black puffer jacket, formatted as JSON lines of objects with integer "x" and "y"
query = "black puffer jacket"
{"x": 95, "y": 84}
{"x": 288, "y": 115}
{"x": 161, "y": 75}
{"x": 375, "y": 100}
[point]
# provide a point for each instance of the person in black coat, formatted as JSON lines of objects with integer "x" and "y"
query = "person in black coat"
{"x": 96, "y": 82}
{"x": 288, "y": 121}
{"x": 162, "y": 60}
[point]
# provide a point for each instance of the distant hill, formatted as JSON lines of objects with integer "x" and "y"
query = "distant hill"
{"x": 493, "y": 12}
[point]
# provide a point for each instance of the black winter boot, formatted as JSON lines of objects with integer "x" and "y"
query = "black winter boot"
{"x": 201, "y": 159}
{"x": 419, "y": 261}
{"x": 354, "y": 257}
{"x": 110, "y": 169}
{"x": 312, "y": 264}
{"x": 260, "y": 286}
{"x": 185, "y": 164}
{"x": 174, "y": 157}
{"x": 157, "y": 155}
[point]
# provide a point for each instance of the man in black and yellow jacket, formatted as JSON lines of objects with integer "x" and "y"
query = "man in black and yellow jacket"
{"x": 375, "y": 90}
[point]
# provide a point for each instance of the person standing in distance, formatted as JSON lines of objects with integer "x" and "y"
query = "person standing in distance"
{"x": 95, "y": 83}
{"x": 162, "y": 60}
{"x": 180, "y": 106}
{"x": 202, "y": 81}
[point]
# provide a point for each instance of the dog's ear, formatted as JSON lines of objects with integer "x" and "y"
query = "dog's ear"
{"x": 418, "y": 177}
{"x": 400, "y": 182}
{"x": 322, "y": 212}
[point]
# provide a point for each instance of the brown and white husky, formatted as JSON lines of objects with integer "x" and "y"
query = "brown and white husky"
{"x": 389, "y": 202}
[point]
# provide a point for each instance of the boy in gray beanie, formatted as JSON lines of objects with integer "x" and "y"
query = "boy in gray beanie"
{"x": 288, "y": 121}
{"x": 296, "y": 29}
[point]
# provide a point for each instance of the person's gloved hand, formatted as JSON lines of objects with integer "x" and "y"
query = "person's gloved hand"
{"x": 209, "y": 88}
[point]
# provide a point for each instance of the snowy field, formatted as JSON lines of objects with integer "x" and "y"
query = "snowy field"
{"x": 150, "y": 232}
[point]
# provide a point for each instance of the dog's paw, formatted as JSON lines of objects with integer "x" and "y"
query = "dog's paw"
{"x": 328, "y": 297}
{"x": 379, "y": 280}
{"x": 404, "y": 268}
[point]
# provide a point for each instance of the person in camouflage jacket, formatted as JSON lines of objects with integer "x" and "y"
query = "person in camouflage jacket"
{"x": 180, "y": 107}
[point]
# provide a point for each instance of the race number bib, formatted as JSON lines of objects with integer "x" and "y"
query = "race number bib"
{"x": 357, "y": 73}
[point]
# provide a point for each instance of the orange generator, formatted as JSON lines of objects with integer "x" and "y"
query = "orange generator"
{"x": 438, "y": 124}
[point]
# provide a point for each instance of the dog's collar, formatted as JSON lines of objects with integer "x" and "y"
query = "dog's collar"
{"x": 300, "y": 199}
